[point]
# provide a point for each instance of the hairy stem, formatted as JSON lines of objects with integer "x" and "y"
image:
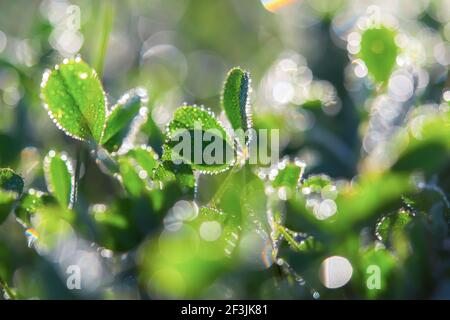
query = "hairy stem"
{"x": 287, "y": 236}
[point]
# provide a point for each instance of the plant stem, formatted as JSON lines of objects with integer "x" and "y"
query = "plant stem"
{"x": 105, "y": 25}
{"x": 79, "y": 160}
{"x": 287, "y": 236}
{"x": 7, "y": 289}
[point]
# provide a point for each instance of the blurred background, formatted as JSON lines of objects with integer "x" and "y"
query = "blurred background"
{"x": 181, "y": 51}
{"x": 307, "y": 80}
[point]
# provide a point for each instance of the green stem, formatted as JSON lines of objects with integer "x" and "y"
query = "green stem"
{"x": 105, "y": 25}
{"x": 287, "y": 236}
{"x": 7, "y": 289}
{"x": 79, "y": 161}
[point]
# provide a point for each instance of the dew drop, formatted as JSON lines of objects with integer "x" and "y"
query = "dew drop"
{"x": 32, "y": 236}
{"x": 210, "y": 230}
{"x": 335, "y": 272}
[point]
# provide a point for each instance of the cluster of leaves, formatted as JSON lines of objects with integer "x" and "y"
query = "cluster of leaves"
{"x": 381, "y": 218}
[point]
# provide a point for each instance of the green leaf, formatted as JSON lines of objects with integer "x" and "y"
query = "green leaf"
{"x": 375, "y": 266}
{"x": 10, "y": 148}
{"x": 188, "y": 128}
{"x": 11, "y": 187}
{"x": 236, "y": 99}
{"x": 137, "y": 169}
{"x": 59, "y": 175}
{"x": 288, "y": 174}
{"x": 370, "y": 196}
{"x": 358, "y": 203}
{"x": 242, "y": 194}
{"x": 7, "y": 256}
{"x": 379, "y": 52}
{"x": 254, "y": 202}
{"x": 7, "y": 199}
{"x": 10, "y": 181}
{"x": 30, "y": 202}
{"x": 168, "y": 172}
{"x": 131, "y": 177}
{"x": 315, "y": 201}
{"x": 153, "y": 132}
{"x": 312, "y": 104}
{"x": 392, "y": 223}
{"x": 122, "y": 225}
{"x": 145, "y": 157}
{"x": 315, "y": 183}
{"x": 122, "y": 118}
{"x": 426, "y": 146}
{"x": 218, "y": 233}
{"x": 113, "y": 227}
{"x": 170, "y": 267}
{"x": 184, "y": 262}
{"x": 53, "y": 226}
{"x": 74, "y": 98}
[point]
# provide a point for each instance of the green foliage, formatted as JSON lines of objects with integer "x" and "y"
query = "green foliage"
{"x": 366, "y": 198}
{"x": 377, "y": 268}
{"x": 159, "y": 223}
{"x": 10, "y": 181}
{"x": 191, "y": 121}
{"x": 7, "y": 199}
{"x": 186, "y": 260}
{"x": 145, "y": 157}
{"x": 379, "y": 52}
{"x": 312, "y": 105}
{"x": 59, "y": 175}
{"x": 219, "y": 233}
{"x": 137, "y": 169}
{"x": 53, "y": 224}
{"x": 129, "y": 173}
{"x": 392, "y": 223}
{"x": 192, "y": 252}
{"x": 120, "y": 119}
{"x": 236, "y": 97}
{"x": 173, "y": 265}
{"x": 122, "y": 225}
{"x": 141, "y": 171}
{"x": 6, "y": 267}
{"x": 74, "y": 98}
{"x": 316, "y": 182}
{"x": 289, "y": 175}
{"x": 168, "y": 172}
{"x": 426, "y": 146}
{"x": 30, "y": 202}
{"x": 11, "y": 187}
